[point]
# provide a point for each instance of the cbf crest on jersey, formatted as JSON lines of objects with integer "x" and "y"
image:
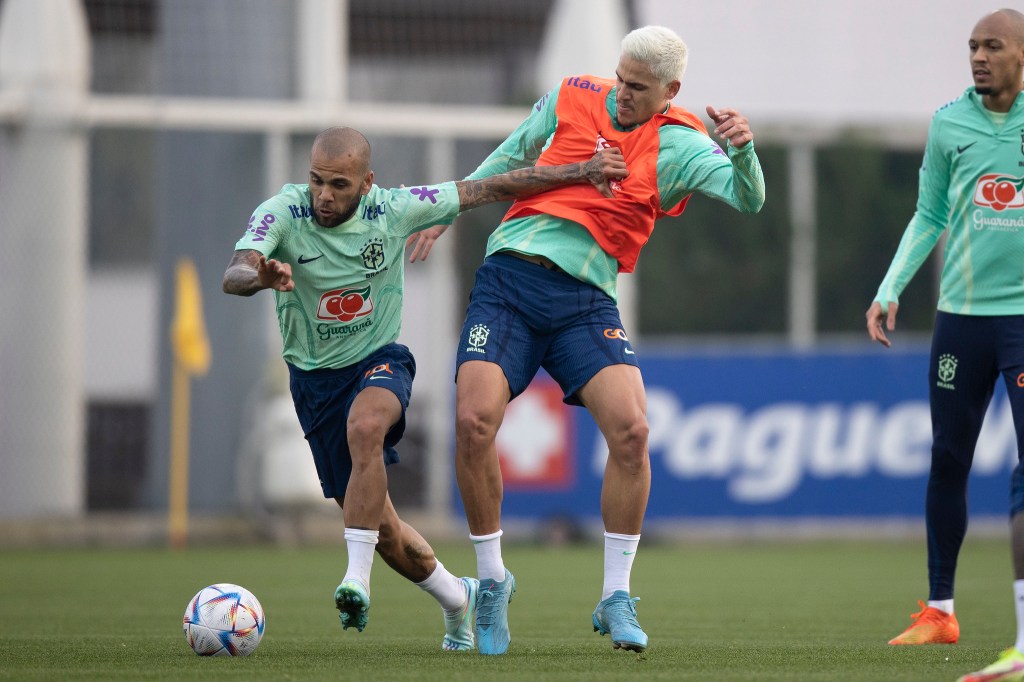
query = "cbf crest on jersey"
{"x": 373, "y": 253}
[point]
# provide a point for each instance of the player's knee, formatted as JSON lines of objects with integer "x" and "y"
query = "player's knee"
{"x": 947, "y": 466}
{"x": 475, "y": 426}
{"x": 365, "y": 433}
{"x": 628, "y": 444}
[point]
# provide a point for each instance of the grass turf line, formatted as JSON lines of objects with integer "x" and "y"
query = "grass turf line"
{"x": 755, "y": 610}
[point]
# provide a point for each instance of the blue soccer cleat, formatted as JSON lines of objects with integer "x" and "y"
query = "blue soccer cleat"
{"x": 458, "y": 626}
{"x": 492, "y": 635}
{"x": 353, "y": 602}
{"x": 617, "y": 615}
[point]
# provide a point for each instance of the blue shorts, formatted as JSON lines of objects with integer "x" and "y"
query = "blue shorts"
{"x": 323, "y": 398}
{"x": 523, "y": 316}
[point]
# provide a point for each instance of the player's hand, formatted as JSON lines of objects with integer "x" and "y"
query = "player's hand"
{"x": 874, "y": 317}
{"x": 731, "y": 125}
{"x": 606, "y": 164}
{"x": 422, "y": 242}
{"x": 273, "y": 274}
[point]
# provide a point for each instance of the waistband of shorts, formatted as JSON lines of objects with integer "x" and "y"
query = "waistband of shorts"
{"x": 321, "y": 373}
{"x": 542, "y": 261}
{"x": 527, "y": 266}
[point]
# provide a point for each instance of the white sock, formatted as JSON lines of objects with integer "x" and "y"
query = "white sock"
{"x": 1018, "y": 602}
{"x": 619, "y": 552}
{"x": 449, "y": 591}
{"x": 944, "y": 605}
{"x": 361, "y": 545}
{"x": 488, "y": 556}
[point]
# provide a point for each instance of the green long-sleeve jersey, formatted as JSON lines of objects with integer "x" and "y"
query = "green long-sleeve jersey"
{"x": 970, "y": 184}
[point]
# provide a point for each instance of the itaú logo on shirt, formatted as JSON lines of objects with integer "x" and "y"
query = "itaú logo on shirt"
{"x": 345, "y": 305}
{"x": 999, "y": 192}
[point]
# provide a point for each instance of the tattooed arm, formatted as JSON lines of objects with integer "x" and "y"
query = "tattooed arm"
{"x": 249, "y": 271}
{"x": 604, "y": 165}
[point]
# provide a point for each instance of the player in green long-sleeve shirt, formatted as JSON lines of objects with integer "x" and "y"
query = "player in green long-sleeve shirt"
{"x": 545, "y": 297}
{"x": 971, "y": 184}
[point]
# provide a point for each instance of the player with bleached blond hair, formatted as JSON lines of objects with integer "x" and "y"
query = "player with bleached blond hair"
{"x": 545, "y": 296}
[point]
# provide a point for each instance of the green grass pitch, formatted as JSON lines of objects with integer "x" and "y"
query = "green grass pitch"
{"x": 765, "y": 610}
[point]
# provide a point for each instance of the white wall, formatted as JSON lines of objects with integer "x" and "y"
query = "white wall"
{"x": 847, "y": 61}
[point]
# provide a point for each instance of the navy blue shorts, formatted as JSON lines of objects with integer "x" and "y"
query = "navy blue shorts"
{"x": 323, "y": 398}
{"x": 523, "y": 316}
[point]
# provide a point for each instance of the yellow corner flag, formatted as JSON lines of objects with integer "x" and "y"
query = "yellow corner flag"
{"x": 191, "y": 350}
{"x": 188, "y": 331}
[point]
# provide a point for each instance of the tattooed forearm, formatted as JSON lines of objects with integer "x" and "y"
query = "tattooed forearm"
{"x": 521, "y": 183}
{"x": 605, "y": 164}
{"x": 240, "y": 278}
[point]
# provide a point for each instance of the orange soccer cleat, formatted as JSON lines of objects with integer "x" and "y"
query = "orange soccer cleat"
{"x": 931, "y": 626}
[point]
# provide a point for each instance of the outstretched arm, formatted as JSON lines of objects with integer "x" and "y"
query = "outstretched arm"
{"x": 604, "y": 165}
{"x": 249, "y": 271}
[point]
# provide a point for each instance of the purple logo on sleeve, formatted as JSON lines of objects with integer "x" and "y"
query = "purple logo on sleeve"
{"x": 260, "y": 230}
{"x": 423, "y": 193}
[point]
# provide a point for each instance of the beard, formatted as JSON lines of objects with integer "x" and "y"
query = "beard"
{"x": 984, "y": 89}
{"x": 343, "y": 215}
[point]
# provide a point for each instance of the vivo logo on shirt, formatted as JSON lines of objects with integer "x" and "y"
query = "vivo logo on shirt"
{"x": 260, "y": 230}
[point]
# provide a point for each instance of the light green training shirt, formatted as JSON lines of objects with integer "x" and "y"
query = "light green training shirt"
{"x": 347, "y": 300}
{"x": 688, "y": 162}
{"x": 969, "y": 184}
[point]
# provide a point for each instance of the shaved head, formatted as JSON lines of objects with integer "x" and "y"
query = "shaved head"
{"x": 997, "y": 58}
{"x": 335, "y": 144}
{"x": 1014, "y": 22}
{"x": 339, "y": 174}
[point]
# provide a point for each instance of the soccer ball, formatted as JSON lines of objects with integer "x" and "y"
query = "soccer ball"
{"x": 224, "y": 620}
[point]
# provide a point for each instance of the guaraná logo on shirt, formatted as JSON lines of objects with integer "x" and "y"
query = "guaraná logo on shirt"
{"x": 345, "y": 305}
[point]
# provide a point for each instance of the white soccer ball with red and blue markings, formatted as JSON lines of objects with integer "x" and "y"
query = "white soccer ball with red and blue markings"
{"x": 224, "y": 620}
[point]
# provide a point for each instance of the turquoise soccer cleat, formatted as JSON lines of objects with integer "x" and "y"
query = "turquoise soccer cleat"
{"x": 617, "y": 615}
{"x": 353, "y": 602}
{"x": 458, "y": 626}
{"x": 492, "y": 635}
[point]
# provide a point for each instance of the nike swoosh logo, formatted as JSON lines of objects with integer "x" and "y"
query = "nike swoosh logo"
{"x": 303, "y": 261}
{"x": 627, "y": 553}
{"x": 628, "y": 351}
{"x": 379, "y": 377}
{"x": 961, "y": 150}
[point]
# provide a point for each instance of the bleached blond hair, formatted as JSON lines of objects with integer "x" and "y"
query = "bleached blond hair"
{"x": 660, "y": 49}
